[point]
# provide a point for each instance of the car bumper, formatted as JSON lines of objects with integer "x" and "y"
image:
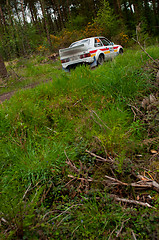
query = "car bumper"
{"x": 88, "y": 60}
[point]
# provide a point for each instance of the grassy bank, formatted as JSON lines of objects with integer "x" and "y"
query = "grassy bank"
{"x": 51, "y": 187}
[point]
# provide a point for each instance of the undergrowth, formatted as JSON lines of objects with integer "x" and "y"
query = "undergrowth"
{"x": 57, "y": 121}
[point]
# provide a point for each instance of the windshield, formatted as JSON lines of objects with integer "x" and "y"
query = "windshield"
{"x": 105, "y": 41}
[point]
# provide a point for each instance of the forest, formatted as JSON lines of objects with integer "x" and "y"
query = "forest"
{"x": 29, "y": 26}
{"x": 79, "y": 150}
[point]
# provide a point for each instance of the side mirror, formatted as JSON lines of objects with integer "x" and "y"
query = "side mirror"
{"x": 112, "y": 43}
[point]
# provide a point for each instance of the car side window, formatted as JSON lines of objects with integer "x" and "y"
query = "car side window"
{"x": 105, "y": 42}
{"x": 97, "y": 43}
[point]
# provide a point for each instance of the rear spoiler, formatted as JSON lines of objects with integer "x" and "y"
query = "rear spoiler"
{"x": 66, "y": 52}
{"x": 70, "y": 48}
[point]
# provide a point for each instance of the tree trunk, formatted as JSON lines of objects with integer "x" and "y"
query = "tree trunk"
{"x": 2, "y": 16}
{"x": 130, "y": 6}
{"x": 23, "y": 13}
{"x": 3, "y": 70}
{"x": 46, "y": 24}
{"x": 119, "y": 7}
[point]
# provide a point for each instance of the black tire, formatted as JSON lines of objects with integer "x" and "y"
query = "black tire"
{"x": 100, "y": 60}
{"x": 121, "y": 51}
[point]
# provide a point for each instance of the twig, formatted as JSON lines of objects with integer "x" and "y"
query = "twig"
{"x": 106, "y": 153}
{"x": 47, "y": 214}
{"x": 100, "y": 119}
{"x": 26, "y": 192}
{"x": 89, "y": 179}
{"x": 131, "y": 201}
{"x": 133, "y": 235}
{"x": 144, "y": 182}
{"x": 145, "y": 51}
{"x": 65, "y": 211}
{"x": 116, "y": 180}
{"x": 122, "y": 225}
{"x": 69, "y": 182}
{"x": 112, "y": 233}
{"x": 61, "y": 221}
{"x": 134, "y": 113}
{"x": 77, "y": 102}
{"x": 72, "y": 165}
{"x": 149, "y": 182}
{"x": 110, "y": 160}
{"x": 135, "y": 109}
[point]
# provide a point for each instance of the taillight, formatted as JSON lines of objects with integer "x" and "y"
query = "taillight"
{"x": 65, "y": 60}
{"x": 85, "y": 55}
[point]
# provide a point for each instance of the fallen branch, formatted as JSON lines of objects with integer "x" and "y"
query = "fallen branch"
{"x": 101, "y": 159}
{"x": 26, "y": 192}
{"x": 116, "y": 181}
{"x": 143, "y": 183}
{"x": 72, "y": 165}
{"x": 145, "y": 51}
{"x": 65, "y": 211}
{"x": 100, "y": 119}
{"x": 149, "y": 182}
{"x": 122, "y": 225}
{"x": 89, "y": 179}
{"x": 131, "y": 201}
{"x": 133, "y": 235}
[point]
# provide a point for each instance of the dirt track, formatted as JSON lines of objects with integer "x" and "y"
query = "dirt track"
{"x": 7, "y": 96}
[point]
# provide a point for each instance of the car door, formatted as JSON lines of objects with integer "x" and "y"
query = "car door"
{"x": 109, "y": 50}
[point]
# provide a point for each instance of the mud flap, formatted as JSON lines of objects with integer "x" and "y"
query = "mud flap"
{"x": 94, "y": 63}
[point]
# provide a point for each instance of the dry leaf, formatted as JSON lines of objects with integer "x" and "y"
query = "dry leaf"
{"x": 153, "y": 151}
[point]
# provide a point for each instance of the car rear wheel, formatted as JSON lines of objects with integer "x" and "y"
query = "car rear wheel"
{"x": 121, "y": 51}
{"x": 100, "y": 59}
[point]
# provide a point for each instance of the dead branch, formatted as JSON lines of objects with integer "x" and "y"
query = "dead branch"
{"x": 26, "y": 192}
{"x": 149, "y": 182}
{"x": 134, "y": 113}
{"x": 131, "y": 201}
{"x": 89, "y": 179}
{"x": 150, "y": 140}
{"x": 135, "y": 109}
{"x": 101, "y": 159}
{"x": 116, "y": 181}
{"x": 65, "y": 211}
{"x": 72, "y": 165}
{"x": 122, "y": 225}
{"x": 143, "y": 183}
{"x": 154, "y": 61}
{"x": 100, "y": 119}
{"x": 133, "y": 235}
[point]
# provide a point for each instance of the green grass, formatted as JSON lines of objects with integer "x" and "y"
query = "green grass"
{"x": 30, "y": 71}
{"x": 83, "y": 109}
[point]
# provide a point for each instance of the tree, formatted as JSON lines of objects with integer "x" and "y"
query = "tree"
{"x": 3, "y": 70}
{"x": 46, "y": 23}
{"x": 107, "y": 20}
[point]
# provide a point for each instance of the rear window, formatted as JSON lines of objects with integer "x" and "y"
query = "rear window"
{"x": 86, "y": 41}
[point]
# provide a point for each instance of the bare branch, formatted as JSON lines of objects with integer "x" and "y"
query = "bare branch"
{"x": 144, "y": 50}
{"x": 65, "y": 211}
{"x": 110, "y": 160}
{"x": 131, "y": 201}
{"x": 72, "y": 165}
{"x": 122, "y": 225}
{"x": 26, "y": 192}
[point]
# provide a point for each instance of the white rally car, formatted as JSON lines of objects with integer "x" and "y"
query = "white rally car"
{"x": 93, "y": 51}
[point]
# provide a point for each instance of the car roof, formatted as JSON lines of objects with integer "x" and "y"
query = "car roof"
{"x": 89, "y": 38}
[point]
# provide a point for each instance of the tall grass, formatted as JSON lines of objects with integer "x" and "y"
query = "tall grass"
{"x": 69, "y": 114}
